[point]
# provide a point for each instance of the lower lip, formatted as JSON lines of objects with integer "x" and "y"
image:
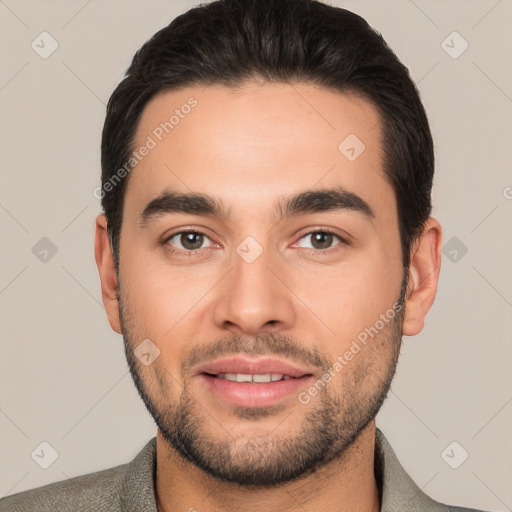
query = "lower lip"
{"x": 247, "y": 394}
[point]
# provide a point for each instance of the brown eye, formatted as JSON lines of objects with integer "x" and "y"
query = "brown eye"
{"x": 187, "y": 240}
{"x": 191, "y": 241}
{"x": 320, "y": 240}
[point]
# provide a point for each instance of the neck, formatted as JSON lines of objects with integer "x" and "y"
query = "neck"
{"x": 346, "y": 483}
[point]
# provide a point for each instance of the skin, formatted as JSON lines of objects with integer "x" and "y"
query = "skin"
{"x": 251, "y": 146}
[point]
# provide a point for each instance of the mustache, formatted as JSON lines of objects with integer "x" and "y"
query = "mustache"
{"x": 267, "y": 344}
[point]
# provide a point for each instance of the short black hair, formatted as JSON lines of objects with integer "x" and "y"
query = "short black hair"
{"x": 229, "y": 42}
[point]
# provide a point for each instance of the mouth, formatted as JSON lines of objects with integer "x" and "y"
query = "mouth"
{"x": 265, "y": 369}
{"x": 258, "y": 378}
{"x": 247, "y": 382}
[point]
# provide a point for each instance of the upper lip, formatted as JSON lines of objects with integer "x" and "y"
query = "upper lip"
{"x": 253, "y": 366}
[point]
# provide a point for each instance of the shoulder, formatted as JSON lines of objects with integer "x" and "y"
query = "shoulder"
{"x": 128, "y": 487}
{"x": 99, "y": 492}
{"x": 399, "y": 492}
{"x": 450, "y": 508}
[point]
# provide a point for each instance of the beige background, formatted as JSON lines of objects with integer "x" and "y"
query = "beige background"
{"x": 64, "y": 379}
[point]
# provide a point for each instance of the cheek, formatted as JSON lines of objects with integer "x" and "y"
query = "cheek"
{"x": 152, "y": 314}
{"x": 164, "y": 301}
{"x": 351, "y": 297}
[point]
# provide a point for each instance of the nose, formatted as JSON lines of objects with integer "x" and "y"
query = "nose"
{"x": 254, "y": 297}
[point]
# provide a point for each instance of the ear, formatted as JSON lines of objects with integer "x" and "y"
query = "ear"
{"x": 424, "y": 271}
{"x": 107, "y": 270}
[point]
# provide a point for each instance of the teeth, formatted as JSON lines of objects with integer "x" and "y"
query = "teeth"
{"x": 242, "y": 377}
{"x": 261, "y": 378}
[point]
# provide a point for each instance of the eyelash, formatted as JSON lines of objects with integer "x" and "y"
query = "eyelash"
{"x": 195, "y": 252}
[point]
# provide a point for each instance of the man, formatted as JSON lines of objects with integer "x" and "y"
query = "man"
{"x": 266, "y": 241}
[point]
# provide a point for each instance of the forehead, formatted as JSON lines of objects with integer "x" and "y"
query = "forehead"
{"x": 257, "y": 142}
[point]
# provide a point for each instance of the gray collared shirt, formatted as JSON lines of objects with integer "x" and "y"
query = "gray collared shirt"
{"x": 131, "y": 488}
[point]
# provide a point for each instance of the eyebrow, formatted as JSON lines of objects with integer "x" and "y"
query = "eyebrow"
{"x": 311, "y": 201}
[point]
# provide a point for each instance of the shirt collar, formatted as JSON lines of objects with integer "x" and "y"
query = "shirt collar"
{"x": 397, "y": 491}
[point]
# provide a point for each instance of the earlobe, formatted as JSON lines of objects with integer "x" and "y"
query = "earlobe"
{"x": 107, "y": 271}
{"x": 424, "y": 269}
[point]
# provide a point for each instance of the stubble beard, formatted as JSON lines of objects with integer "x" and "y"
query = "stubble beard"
{"x": 332, "y": 422}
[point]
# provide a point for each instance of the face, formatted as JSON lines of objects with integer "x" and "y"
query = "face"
{"x": 260, "y": 277}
